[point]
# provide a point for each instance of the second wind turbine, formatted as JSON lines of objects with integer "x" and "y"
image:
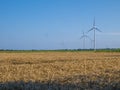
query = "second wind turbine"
{"x": 84, "y": 37}
{"x": 94, "y": 28}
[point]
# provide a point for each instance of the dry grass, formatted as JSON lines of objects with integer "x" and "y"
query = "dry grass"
{"x": 60, "y": 71}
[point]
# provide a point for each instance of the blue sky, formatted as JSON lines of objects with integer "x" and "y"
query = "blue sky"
{"x": 58, "y": 24}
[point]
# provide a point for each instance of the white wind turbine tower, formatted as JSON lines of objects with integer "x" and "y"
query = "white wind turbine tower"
{"x": 84, "y": 36}
{"x": 94, "y": 28}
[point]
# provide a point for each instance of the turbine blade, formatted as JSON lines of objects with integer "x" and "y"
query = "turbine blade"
{"x": 88, "y": 37}
{"x": 91, "y": 29}
{"x": 81, "y": 37}
{"x": 94, "y": 22}
{"x": 98, "y": 29}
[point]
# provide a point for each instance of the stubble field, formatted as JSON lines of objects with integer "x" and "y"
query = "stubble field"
{"x": 59, "y": 71}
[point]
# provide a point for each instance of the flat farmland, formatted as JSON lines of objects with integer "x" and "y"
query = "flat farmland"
{"x": 54, "y": 70}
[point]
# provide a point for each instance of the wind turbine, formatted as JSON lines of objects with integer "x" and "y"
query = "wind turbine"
{"x": 63, "y": 44}
{"x": 94, "y": 28}
{"x": 84, "y": 36}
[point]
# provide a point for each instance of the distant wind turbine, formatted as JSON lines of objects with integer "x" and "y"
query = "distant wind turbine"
{"x": 84, "y": 36}
{"x": 94, "y": 28}
{"x": 63, "y": 44}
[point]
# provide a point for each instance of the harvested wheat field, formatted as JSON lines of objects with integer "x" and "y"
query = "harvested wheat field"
{"x": 59, "y": 70}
